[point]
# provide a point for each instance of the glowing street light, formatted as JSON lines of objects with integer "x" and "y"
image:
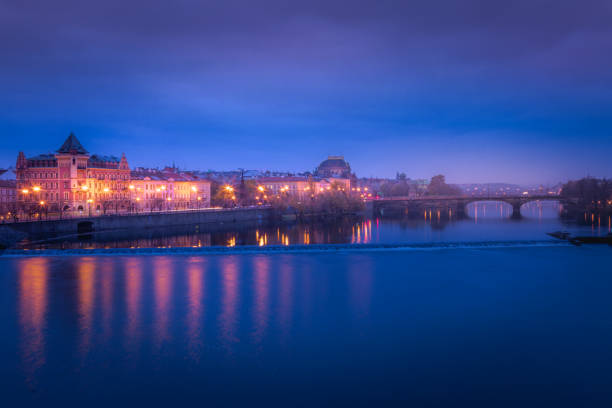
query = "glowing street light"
{"x": 229, "y": 188}
{"x": 131, "y": 187}
{"x": 36, "y": 188}
{"x": 261, "y": 188}
{"x": 194, "y": 188}
{"x": 25, "y": 191}
{"x": 106, "y": 189}
{"x": 42, "y": 203}
{"x": 84, "y": 188}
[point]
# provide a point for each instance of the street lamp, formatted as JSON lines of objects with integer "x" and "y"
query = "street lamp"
{"x": 89, "y": 205}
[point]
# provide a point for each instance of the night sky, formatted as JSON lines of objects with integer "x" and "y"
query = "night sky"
{"x": 483, "y": 91}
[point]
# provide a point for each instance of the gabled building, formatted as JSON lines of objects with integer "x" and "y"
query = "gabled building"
{"x": 72, "y": 181}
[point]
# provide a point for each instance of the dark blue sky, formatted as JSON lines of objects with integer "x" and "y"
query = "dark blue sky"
{"x": 517, "y": 91}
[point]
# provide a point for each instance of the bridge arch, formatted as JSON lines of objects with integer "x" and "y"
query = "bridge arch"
{"x": 481, "y": 208}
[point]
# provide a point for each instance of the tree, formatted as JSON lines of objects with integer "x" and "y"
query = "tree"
{"x": 588, "y": 190}
{"x": 438, "y": 187}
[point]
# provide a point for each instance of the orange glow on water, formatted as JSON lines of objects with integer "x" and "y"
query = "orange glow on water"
{"x": 162, "y": 287}
{"x": 133, "y": 288}
{"x": 195, "y": 296}
{"x": 230, "y": 282}
{"x": 86, "y": 269}
{"x": 32, "y": 313}
{"x": 261, "y": 289}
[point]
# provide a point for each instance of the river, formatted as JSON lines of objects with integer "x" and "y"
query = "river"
{"x": 505, "y": 316}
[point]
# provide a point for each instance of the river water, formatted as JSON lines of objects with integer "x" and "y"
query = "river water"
{"x": 503, "y": 317}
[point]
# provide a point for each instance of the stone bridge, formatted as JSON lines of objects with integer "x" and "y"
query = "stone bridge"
{"x": 450, "y": 204}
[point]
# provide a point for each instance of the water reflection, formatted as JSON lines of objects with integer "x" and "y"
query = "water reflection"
{"x": 32, "y": 314}
{"x": 195, "y": 289}
{"x": 227, "y": 328}
{"x": 162, "y": 283}
{"x": 285, "y": 287}
{"x": 228, "y": 318}
{"x": 261, "y": 289}
{"x": 86, "y": 279}
{"x": 133, "y": 293}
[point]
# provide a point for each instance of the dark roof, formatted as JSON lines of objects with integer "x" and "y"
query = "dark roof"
{"x": 281, "y": 179}
{"x": 72, "y": 145}
{"x": 46, "y": 156}
{"x": 102, "y": 158}
{"x": 334, "y": 162}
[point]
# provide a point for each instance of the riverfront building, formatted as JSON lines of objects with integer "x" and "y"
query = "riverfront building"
{"x": 168, "y": 189}
{"x": 300, "y": 186}
{"x": 72, "y": 181}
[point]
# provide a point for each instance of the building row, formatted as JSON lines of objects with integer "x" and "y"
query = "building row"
{"x": 72, "y": 181}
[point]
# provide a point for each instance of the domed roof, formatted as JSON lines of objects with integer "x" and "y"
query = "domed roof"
{"x": 334, "y": 161}
{"x": 334, "y": 166}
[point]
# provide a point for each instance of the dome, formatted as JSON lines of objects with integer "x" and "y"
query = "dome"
{"x": 334, "y": 166}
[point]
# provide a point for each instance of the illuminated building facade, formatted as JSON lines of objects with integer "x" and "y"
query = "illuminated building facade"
{"x": 168, "y": 190}
{"x": 71, "y": 181}
{"x": 300, "y": 187}
{"x": 8, "y": 199}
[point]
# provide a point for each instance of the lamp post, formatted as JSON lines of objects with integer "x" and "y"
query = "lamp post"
{"x": 42, "y": 208}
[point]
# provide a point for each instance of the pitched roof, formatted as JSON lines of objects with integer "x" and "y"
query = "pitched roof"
{"x": 72, "y": 145}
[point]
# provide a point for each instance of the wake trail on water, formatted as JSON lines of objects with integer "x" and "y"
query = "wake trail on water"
{"x": 284, "y": 249}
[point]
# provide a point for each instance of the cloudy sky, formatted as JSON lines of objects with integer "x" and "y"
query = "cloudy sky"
{"x": 483, "y": 91}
